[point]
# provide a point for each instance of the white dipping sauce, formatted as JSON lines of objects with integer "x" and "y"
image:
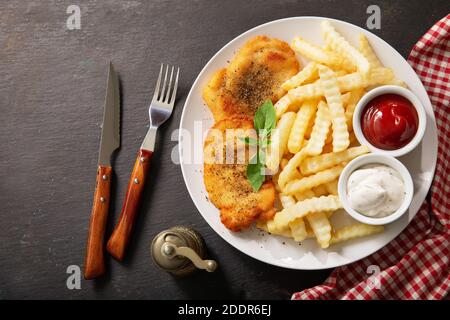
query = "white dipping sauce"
{"x": 375, "y": 190}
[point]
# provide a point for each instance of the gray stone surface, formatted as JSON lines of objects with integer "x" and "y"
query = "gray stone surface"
{"x": 52, "y": 85}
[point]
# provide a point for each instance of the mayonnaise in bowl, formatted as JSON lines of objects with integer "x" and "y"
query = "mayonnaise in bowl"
{"x": 375, "y": 190}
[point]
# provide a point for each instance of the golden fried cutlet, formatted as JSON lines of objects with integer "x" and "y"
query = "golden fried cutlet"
{"x": 227, "y": 184}
{"x": 253, "y": 76}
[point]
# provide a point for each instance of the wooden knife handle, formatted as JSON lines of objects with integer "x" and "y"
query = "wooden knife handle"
{"x": 94, "y": 263}
{"x": 121, "y": 235}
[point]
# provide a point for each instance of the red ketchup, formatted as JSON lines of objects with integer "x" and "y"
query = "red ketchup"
{"x": 389, "y": 121}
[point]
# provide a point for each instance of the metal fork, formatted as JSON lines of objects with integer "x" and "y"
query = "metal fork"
{"x": 161, "y": 107}
{"x": 159, "y": 111}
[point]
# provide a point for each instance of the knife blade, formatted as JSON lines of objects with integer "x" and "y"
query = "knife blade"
{"x": 110, "y": 138}
{"x": 109, "y": 142}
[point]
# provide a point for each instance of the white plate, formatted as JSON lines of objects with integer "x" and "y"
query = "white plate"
{"x": 278, "y": 250}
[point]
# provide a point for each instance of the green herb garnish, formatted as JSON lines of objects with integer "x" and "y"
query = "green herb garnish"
{"x": 264, "y": 122}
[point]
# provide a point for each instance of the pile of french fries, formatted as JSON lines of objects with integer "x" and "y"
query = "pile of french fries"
{"x": 314, "y": 139}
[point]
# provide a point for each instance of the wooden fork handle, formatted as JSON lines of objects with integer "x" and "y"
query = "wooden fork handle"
{"x": 94, "y": 263}
{"x": 120, "y": 237}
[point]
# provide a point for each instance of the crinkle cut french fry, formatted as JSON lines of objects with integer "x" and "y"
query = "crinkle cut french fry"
{"x": 330, "y": 87}
{"x": 309, "y": 130}
{"x": 367, "y": 51}
{"x": 305, "y": 74}
{"x": 307, "y": 194}
{"x": 354, "y": 231}
{"x": 286, "y": 232}
{"x": 262, "y": 225}
{"x": 321, "y": 227}
{"x": 314, "y": 53}
{"x": 397, "y": 82}
{"x": 346, "y": 97}
{"x": 283, "y": 105}
{"x": 379, "y": 76}
{"x": 339, "y": 44}
{"x": 273, "y": 228}
{"x": 353, "y": 141}
{"x": 315, "y": 180}
{"x": 309, "y": 230}
{"x": 332, "y": 187}
{"x": 279, "y": 141}
{"x": 303, "y": 208}
{"x": 298, "y": 229}
{"x": 320, "y": 130}
{"x": 327, "y": 160}
{"x": 290, "y": 170}
{"x": 354, "y": 97}
{"x": 340, "y": 73}
{"x": 320, "y": 190}
{"x": 283, "y": 163}
{"x": 302, "y": 120}
{"x": 304, "y": 92}
{"x": 345, "y": 64}
{"x": 349, "y": 82}
{"x": 286, "y": 200}
{"x": 314, "y": 90}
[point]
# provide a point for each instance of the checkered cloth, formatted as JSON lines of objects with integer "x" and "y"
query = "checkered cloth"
{"x": 416, "y": 264}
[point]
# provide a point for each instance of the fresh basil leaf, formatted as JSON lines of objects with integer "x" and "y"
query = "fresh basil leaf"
{"x": 259, "y": 120}
{"x": 258, "y": 157}
{"x": 261, "y": 156}
{"x": 255, "y": 175}
{"x": 265, "y": 118}
{"x": 263, "y": 143}
{"x": 264, "y": 122}
{"x": 263, "y": 133}
{"x": 250, "y": 141}
{"x": 255, "y": 170}
{"x": 271, "y": 118}
{"x": 254, "y": 159}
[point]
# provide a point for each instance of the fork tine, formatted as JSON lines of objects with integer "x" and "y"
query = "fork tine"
{"x": 155, "y": 95}
{"x": 166, "y": 96}
{"x": 161, "y": 95}
{"x": 175, "y": 87}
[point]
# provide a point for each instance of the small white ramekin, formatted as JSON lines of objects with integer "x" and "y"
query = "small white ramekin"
{"x": 375, "y": 159}
{"x": 385, "y": 90}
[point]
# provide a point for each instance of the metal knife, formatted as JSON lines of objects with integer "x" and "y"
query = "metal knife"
{"x": 110, "y": 141}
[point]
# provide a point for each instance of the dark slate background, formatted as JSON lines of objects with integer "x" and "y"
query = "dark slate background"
{"x": 52, "y": 87}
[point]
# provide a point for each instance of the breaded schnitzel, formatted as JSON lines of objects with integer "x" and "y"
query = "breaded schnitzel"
{"x": 253, "y": 76}
{"x": 226, "y": 181}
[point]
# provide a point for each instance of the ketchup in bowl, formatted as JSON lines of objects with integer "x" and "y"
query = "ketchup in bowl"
{"x": 389, "y": 121}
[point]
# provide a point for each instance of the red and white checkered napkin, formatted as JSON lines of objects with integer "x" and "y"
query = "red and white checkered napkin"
{"x": 416, "y": 264}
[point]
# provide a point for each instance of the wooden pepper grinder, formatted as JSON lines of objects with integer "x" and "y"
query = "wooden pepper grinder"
{"x": 180, "y": 250}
